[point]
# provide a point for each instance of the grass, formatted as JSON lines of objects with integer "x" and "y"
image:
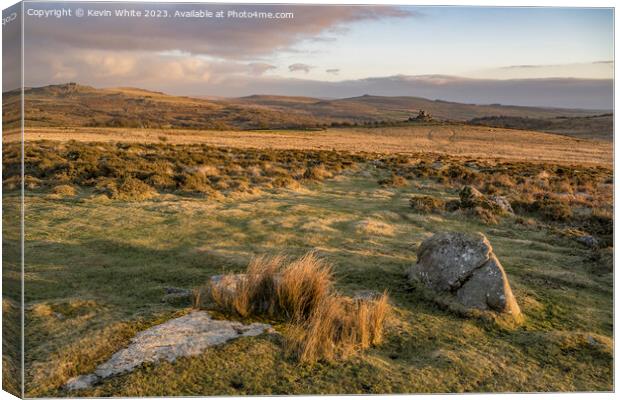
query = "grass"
{"x": 321, "y": 325}
{"x": 100, "y": 264}
{"x": 467, "y": 141}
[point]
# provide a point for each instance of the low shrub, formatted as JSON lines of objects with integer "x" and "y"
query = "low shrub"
{"x": 460, "y": 174}
{"x": 393, "y": 180}
{"x": 64, "y": 191}
{"x": 486, "y": 216}
{"x": 553, "y": 209}
{"x": 317, "y": 173}
{"x": 427, "y": 204}
{"x": 132, "y": 189}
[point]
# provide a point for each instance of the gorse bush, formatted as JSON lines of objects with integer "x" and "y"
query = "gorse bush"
{"x": 194, "y": 170}
{"x": 321, "y": 325}
{"x": 393, "y": 180}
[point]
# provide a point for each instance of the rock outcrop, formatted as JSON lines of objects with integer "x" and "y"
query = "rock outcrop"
{"x": 464, "y": 268}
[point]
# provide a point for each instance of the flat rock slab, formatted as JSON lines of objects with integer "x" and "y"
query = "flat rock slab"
{"x": 185, "y": 336}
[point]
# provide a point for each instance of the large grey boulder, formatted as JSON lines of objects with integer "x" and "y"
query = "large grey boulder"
{"x": 464, "y": 268}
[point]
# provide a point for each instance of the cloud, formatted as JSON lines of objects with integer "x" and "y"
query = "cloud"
{"x": 103, "y": 68}
{"x": 333, "y": 71}
{"x": 232, "y": 38}
{"x": 300, "y": 67}
{"x": 523, "y": 66}
{"x": 111, "y": 50}
{"x": 585, "y": 70}
{"x": 260, "y": 68}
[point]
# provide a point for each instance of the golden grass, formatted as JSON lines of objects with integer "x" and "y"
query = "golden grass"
{"x": 322, "y": 325}
{"x": 374, "y": 227}
{"x": 461, "y": 140}
{"x": 337, "y": 328}
{"x": 303, "y": 285}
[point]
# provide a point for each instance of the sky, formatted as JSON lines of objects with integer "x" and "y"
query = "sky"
{"x": 563, "y": 57}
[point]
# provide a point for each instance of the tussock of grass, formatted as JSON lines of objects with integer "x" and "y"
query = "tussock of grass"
{"x": 322, "y": 325}
{"x": 303, "y": 285}
{"x": 337, "y": 328}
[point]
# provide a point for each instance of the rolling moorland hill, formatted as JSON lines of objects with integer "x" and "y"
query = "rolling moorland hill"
{"x": 599, "y": 127}
{"x": 74, "y": 105}
{"x": 382, "y": 107}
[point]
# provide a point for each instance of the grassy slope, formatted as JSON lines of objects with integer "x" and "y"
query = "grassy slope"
{"x": 76, "y": 105}
{"x": 102, "y": 265}
{"x": 369, "y": 107}
{"x": 598, "y": 127}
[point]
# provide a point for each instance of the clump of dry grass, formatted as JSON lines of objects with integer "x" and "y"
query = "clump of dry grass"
{"x": 304, "y": 283}
{"x": 322, "y": 325}
{"x": 337, "y": 328}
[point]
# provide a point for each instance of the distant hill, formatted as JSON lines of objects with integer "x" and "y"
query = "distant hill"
{"x": 78, "y": 105}
{"x": 599, "y": 127}
{"x": 383, "y": 107}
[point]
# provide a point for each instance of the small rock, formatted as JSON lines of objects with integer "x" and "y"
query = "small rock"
{"x": 593, "y": 342}
{"x": 366, "y": 295}
{"x": 588, "y": 241}
{"x": 82, "y": 382}
{"x": 502, "y": 203}
{"x": 176, "y": 290}
{"x": 471, "y": 197}
{"x": 177, "y": 296}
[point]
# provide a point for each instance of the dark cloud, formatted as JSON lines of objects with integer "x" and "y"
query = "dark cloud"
{"x": 333, "y": 71}
{"x": 226, "y": 38}
{"x": 300, "y": 67}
